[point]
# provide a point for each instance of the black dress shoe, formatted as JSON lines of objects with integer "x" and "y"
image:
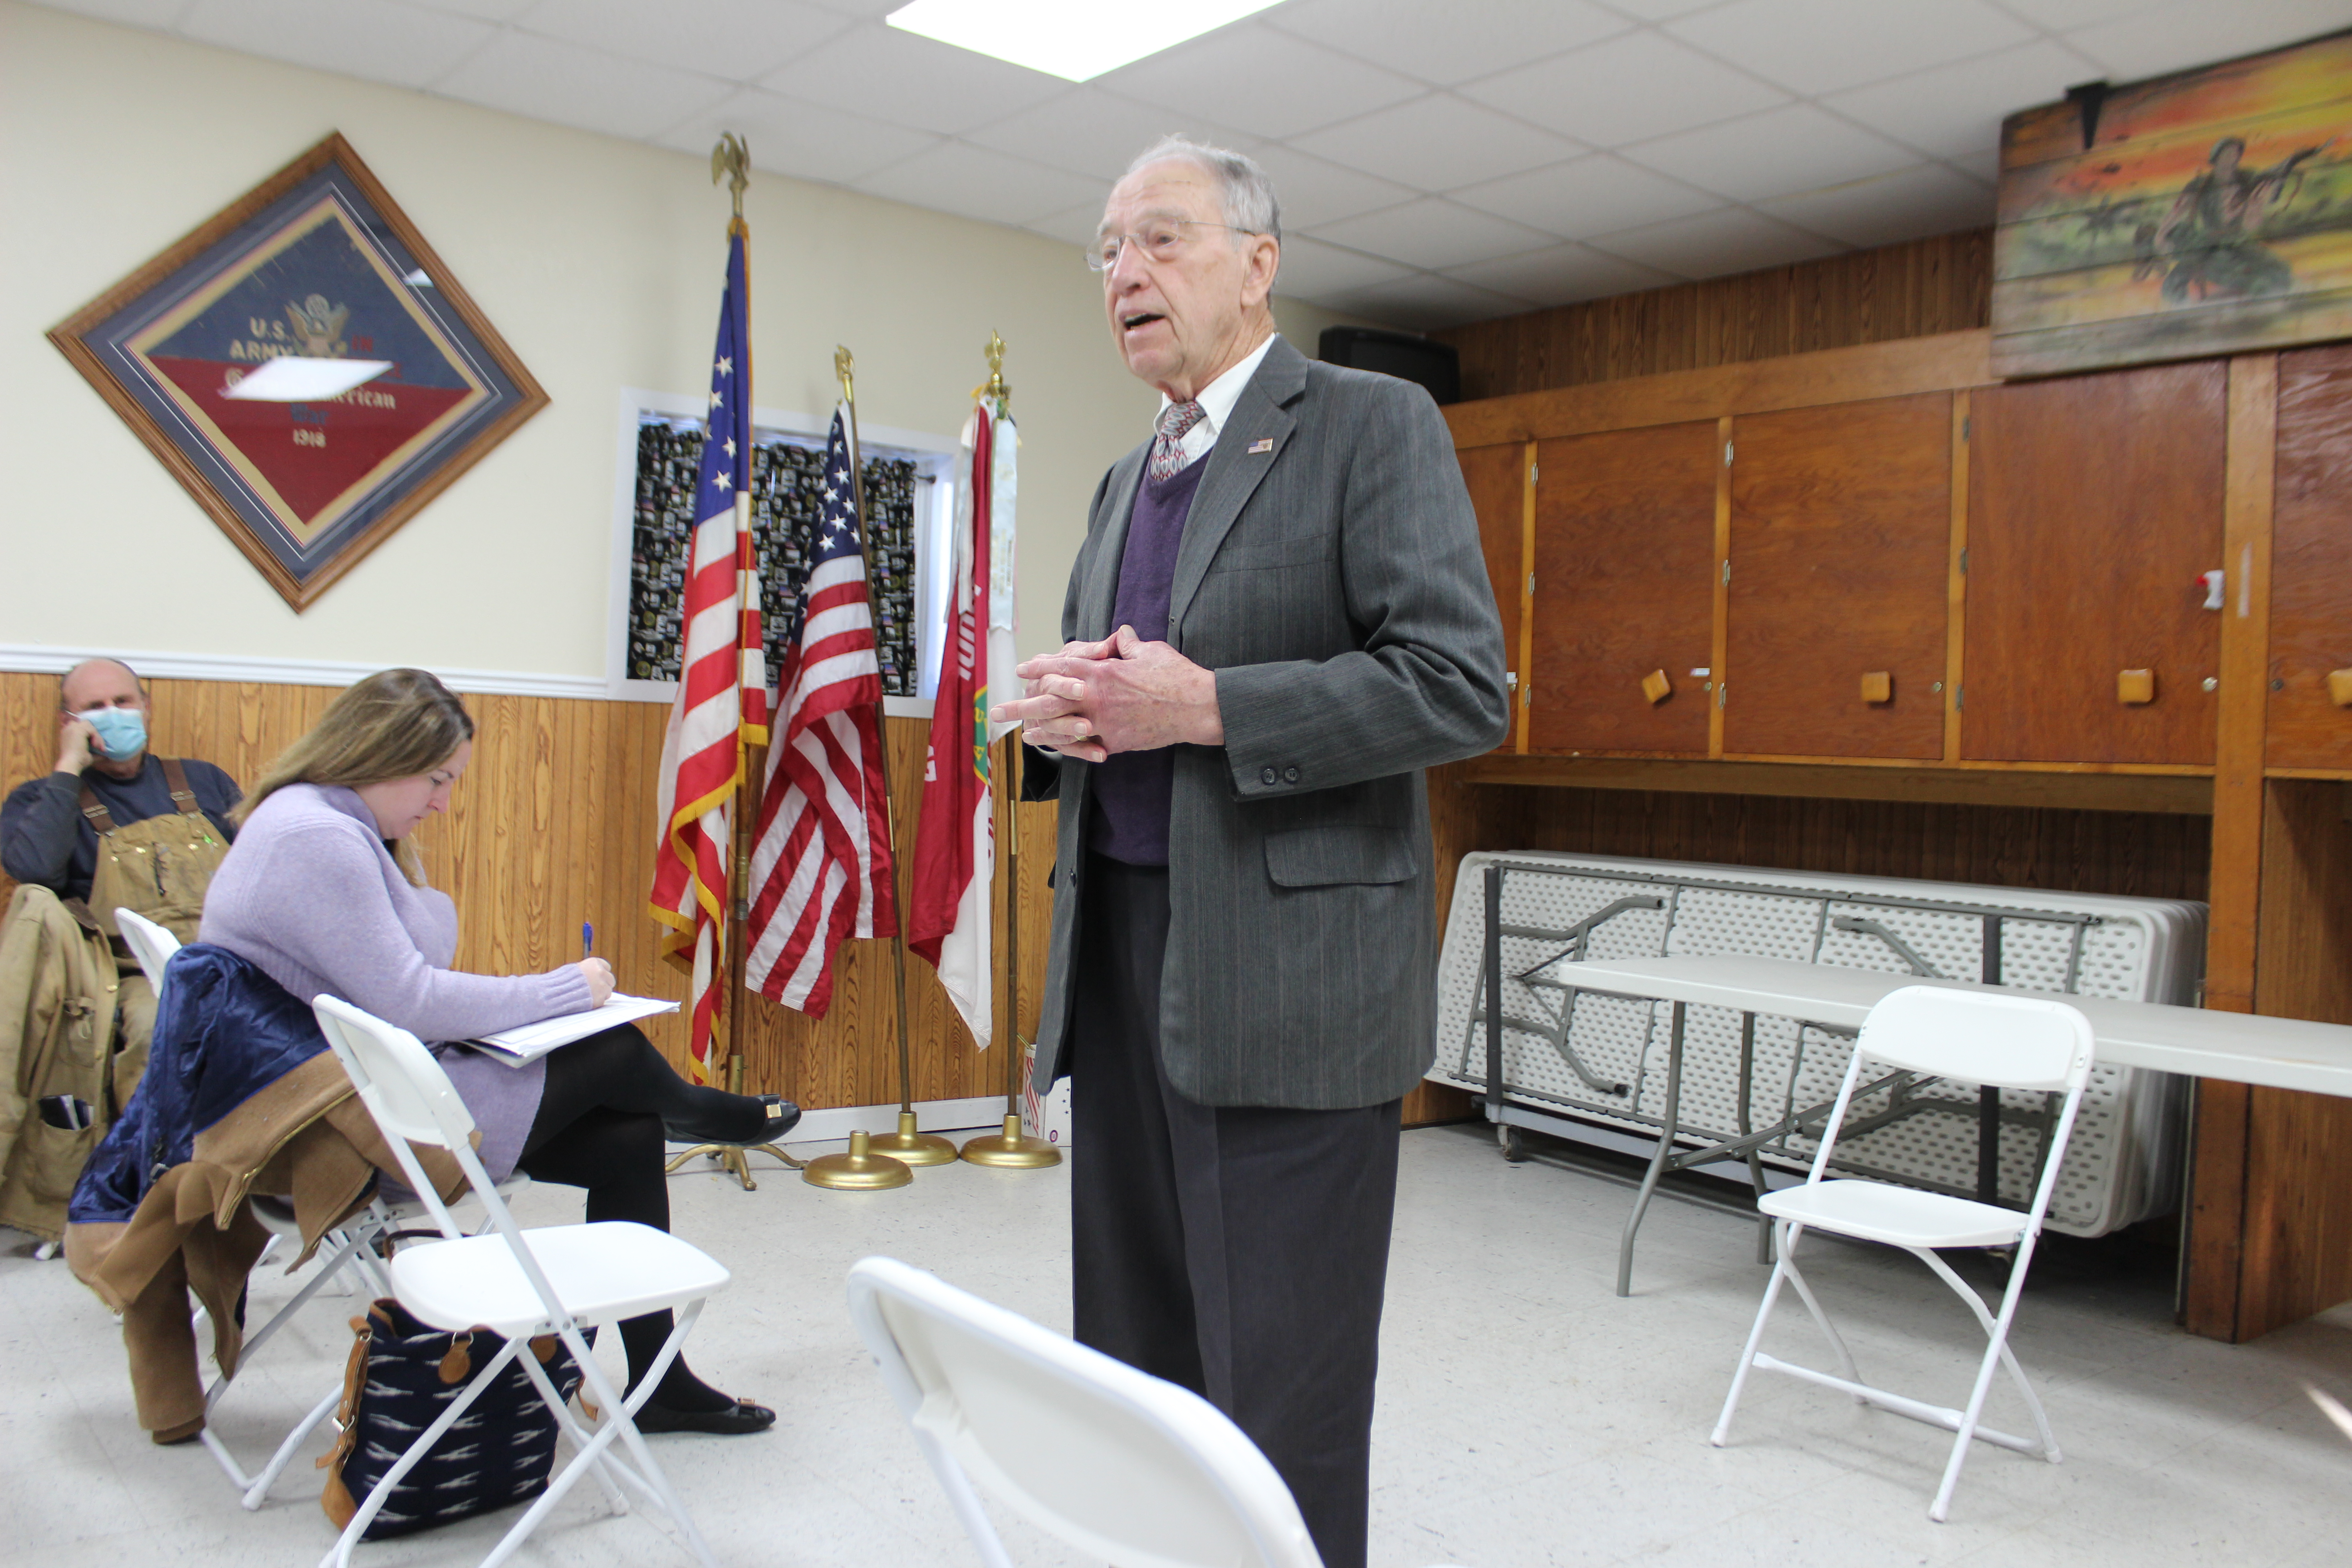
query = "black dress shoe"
{"x": 734, "y": 1421}
{"x": 782, "y": 1117}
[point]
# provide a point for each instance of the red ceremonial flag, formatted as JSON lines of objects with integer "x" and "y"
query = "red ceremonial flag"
{"x": 821, "y": 864}
{"x": 722, "y": 687}
{"x": 955, "y": 840}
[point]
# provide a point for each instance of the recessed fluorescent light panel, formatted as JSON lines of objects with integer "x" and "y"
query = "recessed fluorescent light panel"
{"x": 1075, "y": 39}
{"x": 295, "y": 379}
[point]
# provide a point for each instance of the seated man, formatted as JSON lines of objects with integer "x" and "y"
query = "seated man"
{"x": 111, "y": 828}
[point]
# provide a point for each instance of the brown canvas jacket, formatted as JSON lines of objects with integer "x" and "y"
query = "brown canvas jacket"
{"x": 59, "y": 996}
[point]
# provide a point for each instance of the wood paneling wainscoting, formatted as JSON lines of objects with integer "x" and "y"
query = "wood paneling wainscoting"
{"x": 553, "y": 826}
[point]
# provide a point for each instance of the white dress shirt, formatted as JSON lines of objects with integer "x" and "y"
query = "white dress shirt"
{"x": 1217, "y": 401}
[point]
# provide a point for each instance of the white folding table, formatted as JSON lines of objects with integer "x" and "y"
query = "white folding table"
{"x": 2245, "y": 1047}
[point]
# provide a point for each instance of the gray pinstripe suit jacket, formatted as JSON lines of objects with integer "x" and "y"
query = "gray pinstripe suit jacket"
{"x": 1333, "y": 580}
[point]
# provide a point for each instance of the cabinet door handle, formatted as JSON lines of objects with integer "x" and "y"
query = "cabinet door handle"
{"x": 2339, "y": 687}
{"x": 1878, "y": 686}
{"x": 1656, "y": 687}
{"x": 2135, "y": 688}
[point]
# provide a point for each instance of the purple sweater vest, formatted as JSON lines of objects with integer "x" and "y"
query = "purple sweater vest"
{"x": 1132, "y": 789}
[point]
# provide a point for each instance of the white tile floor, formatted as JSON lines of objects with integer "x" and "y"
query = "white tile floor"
{"x": 1528, "y": 1417}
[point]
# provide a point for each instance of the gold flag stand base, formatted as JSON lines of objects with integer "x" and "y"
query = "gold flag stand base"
{"x": 1011, "y": 1151}
{"x": 733, "y": 1157}
{"x": 859, "y": 1171}
{"x": 910, "y": 1147}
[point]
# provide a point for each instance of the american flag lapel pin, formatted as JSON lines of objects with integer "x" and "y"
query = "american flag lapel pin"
{"x": 1264, "y": 445}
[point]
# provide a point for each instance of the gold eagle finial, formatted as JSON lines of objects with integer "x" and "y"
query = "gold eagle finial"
{"x": 731, "y": 159}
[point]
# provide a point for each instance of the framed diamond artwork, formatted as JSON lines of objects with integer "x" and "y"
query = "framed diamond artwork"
{"x": 305, "y": 365}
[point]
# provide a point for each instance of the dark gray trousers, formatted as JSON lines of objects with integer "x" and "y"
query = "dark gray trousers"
{"x": 1240, "y": 1252}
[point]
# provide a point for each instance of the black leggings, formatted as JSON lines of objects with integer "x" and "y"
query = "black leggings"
{"x": 610, "y": 1101}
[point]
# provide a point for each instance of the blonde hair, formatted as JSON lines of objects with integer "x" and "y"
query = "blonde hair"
{"x": 396, "y": 724}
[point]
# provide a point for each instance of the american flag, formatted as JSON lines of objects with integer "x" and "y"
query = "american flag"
{"x": 722, "y": 690}
{"x": 821, "y": 869}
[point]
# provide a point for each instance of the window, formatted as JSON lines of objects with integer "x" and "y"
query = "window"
{"x": 909, "y": 502}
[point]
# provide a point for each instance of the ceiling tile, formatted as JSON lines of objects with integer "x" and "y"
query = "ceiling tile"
{"x": 735, "y": 40}
{"x": 2191, "y": 32}
{"x": 1658, "y": 10}
{"x": 1715, "y": 244}
{"x": 1088, "y": 131}
{"x": 1425, "y": 303}
{"x": 358, "y": 37}
{"x": 976, "y": 183}
{"x": 907, "y": 79}
{"x": 798, "y": 138}
{"x": 1437, "y": 143}
{"x": 1959, "y": 108}
{"x": 1561, "y": 276}
{"x": 1258, "y": 80}
{"x": 1984, "y": 164}
{"x": 1812, "y": 47}
{"x": 1907, "y": 204}
{"x": 1628, "y": 89}
{"x": 1433, "y": 233}
{"x": 1449, "y": 43}
{"x": 1314, "y": 193}
{"x": 485, "y": 10}
{"x": 158, "y": 16}
{"x": 2064, "y": 14}
{"x": 572, "y": 86}
{"x": 1313, "y": 270}
{"x": 1076, "y": 226}
{"x": 1795, "y": 148}
{"x": 1595, "y": 194}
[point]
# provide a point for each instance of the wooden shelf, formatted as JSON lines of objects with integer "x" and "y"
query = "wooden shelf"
{"x": 2170, "y": 792}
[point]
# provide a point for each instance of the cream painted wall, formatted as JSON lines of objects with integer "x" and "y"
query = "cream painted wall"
{"x": 600, "y": 260}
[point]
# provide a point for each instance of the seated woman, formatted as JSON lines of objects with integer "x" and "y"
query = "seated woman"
{"x": 325, "y": 892}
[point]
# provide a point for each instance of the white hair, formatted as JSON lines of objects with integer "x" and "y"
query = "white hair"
{"x": 1244, "y": 191}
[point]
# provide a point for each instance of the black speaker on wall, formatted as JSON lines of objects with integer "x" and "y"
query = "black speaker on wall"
{"x": 1433, "y": 366}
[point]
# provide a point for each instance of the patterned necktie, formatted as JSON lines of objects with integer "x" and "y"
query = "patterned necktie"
{"x": 1167, "y": 456}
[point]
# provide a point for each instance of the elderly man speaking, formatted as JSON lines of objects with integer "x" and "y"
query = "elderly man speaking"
{"x": 1279, "y": 616}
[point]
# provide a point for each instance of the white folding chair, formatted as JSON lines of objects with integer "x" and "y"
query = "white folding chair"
{"x": 350, "y": 1246}
{"x": 552, "y": 1280}
{"x": 1113, "y": 1461}
{"x": 2016, "y": 1042}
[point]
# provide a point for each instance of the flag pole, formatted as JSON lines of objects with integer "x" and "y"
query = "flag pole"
{"x": 731, "y": 159}
{"x": 907, "y": 1147}
{"x": 1011, "y": 1149}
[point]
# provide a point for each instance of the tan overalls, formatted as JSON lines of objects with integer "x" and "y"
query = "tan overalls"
{"x": 159, "y": 869}
{"x": 79, "y": 1005}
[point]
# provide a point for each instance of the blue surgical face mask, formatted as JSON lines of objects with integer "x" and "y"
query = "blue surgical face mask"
{"x": 121, "y": 731}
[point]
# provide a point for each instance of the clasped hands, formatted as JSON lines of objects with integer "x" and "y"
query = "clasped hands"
{"x": 1121, "y": 694}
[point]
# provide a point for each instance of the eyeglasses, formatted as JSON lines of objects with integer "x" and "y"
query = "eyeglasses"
{"x": 1162, "y": 239}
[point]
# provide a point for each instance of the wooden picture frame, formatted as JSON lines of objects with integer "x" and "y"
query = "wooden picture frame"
{"x": 2204, "y": 213}
{"x": 315, "y": 263}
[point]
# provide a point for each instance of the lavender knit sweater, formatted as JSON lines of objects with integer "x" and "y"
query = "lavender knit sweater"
{"x": 309, "y": 895}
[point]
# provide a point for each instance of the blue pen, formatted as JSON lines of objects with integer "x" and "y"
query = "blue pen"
{"x": 587, "y": 940}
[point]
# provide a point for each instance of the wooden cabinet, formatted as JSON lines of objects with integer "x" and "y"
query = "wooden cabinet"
{"x": 1624, "y": 555}
{"x": 1840, "y": 564}
{"x": 2065, "y": 523}
{"x": 2094, "y": 504}
{"x": 1497, "y": 478}
{"x": 2310, "y": 571}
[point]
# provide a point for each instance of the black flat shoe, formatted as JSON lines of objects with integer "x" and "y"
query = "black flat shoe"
{"x": 782, "y": 1117}
{"x": 735, "y": 1421}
